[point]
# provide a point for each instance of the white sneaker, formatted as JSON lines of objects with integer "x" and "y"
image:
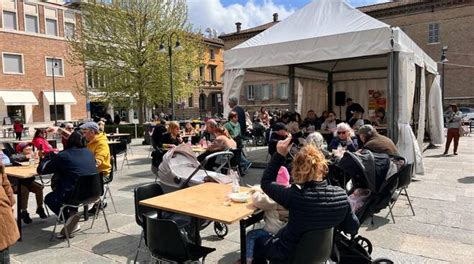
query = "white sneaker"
{"x": 71, "y": 225}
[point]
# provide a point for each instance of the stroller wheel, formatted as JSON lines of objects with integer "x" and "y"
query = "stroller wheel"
{"x": 382, "y": 261}
{"x": 365, "y": 243}
{"x": 220, "y": 229}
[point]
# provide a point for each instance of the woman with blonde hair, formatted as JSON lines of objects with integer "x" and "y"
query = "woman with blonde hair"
{"x": 172, "y": 137}
{"x": 345, "y": 138}
{"x": 313, "y": 204}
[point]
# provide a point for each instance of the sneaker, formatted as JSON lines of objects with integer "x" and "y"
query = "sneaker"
{"x": 71, "y": 225}
{"x": 62, "y": 234}
{"x": 93, "y": 209}
{"x": 25, "y": 217}
{"x": 41, "y": 213}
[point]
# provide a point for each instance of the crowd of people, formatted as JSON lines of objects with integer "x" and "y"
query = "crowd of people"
{"x": 85, "y": 152}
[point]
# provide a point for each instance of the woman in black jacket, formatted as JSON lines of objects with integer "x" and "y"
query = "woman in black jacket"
{"x": 312, "y": 203}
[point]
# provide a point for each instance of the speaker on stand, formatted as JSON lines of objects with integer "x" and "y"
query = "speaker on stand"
{"x": 340, "y": 101}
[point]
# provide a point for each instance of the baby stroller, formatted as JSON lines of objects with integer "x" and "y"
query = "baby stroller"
{"x": 180, "y": 169}
{"x": 379, "y": 174}
{"x": 258, "y": 134}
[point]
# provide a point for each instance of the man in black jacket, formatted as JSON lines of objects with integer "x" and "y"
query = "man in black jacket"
{"x": 351, "y": 108}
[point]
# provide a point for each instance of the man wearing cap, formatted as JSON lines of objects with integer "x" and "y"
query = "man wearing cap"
{"x": 97, "y": 144}
{"x": 351, "y": 108}
{"x": 375, "y": 142}
{"x": 279, "y": 132}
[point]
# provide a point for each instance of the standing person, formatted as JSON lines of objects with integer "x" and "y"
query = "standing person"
{"x": 8, "y": 229}
{"x": 18, "y": 128}
{"x": 68, "y": 165}
{"x": 453, "y": 118}
{"x": 117, "y": 118}
{"x": 352, "y": 107}
{"x": 233, "y": 103}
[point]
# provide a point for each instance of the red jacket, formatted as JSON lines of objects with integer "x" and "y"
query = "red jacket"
{"x": 39, "y": 141}
{"x": 18, "y": 127}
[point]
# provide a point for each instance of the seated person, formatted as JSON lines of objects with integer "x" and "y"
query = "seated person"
{"x": 293, "y": 125}
{"x": 275, "y": 215}
{"x": 344, "y": 137}
{"x": 172, "y": 137}
{"x": 40, "y": 142}
{"x": 279, "y": 132}
{"x": 157, "y": 134}
{"x": 375, "y": 142}
{"x": 356, "y": 120}
{"x": 308, "y": 199}
{"x": 222, "y": 142}
{"x": 28, "y": 185}
{"x": 208, "y": 134}
{"x": 324, "y": 115}
{"x": 233, "y": 127}
{"x": 379, "y": 119}
{"x": 69, "y": 127}
{"x": 330, "y": 123}
{"x": 311, "y": 122}
{"x": 317, "y": 140}
{"x": 189, "y": 129}
{"x": 68, "y": 165}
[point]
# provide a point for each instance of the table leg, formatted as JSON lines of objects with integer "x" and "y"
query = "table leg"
{"x": 197, "y": 239}
{"x": 18, "y": 205}
{"x": 243, "y": 242}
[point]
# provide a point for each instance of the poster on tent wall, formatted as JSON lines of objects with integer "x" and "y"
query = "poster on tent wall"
{"x": 377, "y": 103}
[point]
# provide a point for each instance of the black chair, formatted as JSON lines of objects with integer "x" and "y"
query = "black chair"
{"x": 404, "y": 179}
{"x": 87, "y": 191}
{"x": 141, "y": 193}
{"x": 166, "y": 242}
{"x": 314, "y": 247}
{"x": 106, "y": 181}
{"x": 122, "y": 149}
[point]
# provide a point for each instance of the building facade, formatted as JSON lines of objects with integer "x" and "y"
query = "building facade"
{"x": 259, "y": 88}
{"x": 34, "y": 62}
{"x": 434, "y": 25}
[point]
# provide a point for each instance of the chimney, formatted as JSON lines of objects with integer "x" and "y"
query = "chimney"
{"x": 275, "y": 17}
{"x": 239, "y": 26}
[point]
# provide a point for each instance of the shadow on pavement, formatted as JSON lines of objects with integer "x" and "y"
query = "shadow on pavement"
{"x": 378, "y": 222}
{"x": 467, "y": 180}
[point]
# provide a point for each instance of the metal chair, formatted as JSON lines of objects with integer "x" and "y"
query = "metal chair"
{"x": 87, "y": 191}
{"x": 121, "y": 149}
{"x": 166, "y": 242}
{"x": 404, "y": 179}
{"x": 106, "y": 181}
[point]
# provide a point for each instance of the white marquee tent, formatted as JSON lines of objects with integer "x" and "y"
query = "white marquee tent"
{"x": 329, "y": 41}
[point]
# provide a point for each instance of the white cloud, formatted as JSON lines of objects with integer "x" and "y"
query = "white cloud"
{"x": 211, "y": 13}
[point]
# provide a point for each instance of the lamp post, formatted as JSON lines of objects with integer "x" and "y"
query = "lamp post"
{"x": 54, "y": 64}
{"x": 444, "y": 60}
{"x": 170, "y": 55}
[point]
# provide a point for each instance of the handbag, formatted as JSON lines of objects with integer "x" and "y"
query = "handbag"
{"x": 461, "y": 131}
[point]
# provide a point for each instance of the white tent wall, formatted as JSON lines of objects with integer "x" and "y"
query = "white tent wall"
{"x": 422, "y": 112}
{"x": 435, "y": 113}
{"x": 358, "y": 90}
{"x": 312, "y": 95}
{"x": 233, "y": 80}
{"x": 407, "y": 143}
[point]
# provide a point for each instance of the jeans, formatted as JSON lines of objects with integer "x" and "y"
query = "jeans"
{"x": 4, "y": 256}
{"x": 54, "y": 200}
{"x": 252, "y": 236}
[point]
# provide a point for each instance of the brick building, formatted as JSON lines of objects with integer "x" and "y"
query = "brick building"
{"x": 33, "y": 49}
{"x": 434, "y": 25}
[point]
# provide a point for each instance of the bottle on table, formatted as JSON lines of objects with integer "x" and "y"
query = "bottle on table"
{"x": 235, "y": 181}
{"x": 117, "y": 130}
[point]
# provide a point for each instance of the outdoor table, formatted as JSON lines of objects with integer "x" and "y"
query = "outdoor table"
{"x": 113, "y": 151}
{"x": 20, "y": 173}
{"x": 206, "y": 201}
{"x": 118, "y": 135}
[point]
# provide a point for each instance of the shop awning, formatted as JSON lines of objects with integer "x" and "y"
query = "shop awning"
{"x": 61, "y": 98}
{"x": 18, "y": 98}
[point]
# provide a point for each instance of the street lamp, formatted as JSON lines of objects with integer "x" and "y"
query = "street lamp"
{"x": 54, "y": 65}
{"x": 444, "y": 60}
{"x": 170, "y": 55}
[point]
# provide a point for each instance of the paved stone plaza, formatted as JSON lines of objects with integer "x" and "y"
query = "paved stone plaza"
{"x": 442, "y": 230}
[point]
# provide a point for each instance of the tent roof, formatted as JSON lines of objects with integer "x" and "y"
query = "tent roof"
{"x": 323, "y": 30}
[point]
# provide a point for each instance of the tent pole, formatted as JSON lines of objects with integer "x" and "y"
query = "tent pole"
{"x": 291, "y": 88}
{"x": 393, "y": 96}
{"x": 330, "y": 92}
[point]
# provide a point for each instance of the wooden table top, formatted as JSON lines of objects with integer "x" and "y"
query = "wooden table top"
{"x": 118, "y": 135}
{"x": 21, "y": 172}
{"x": 205, "y": 201}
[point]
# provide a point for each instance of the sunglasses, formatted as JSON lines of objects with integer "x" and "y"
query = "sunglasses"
{"x": 341, "y": 132}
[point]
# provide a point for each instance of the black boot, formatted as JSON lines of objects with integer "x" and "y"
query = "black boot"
{"x": 25, "y": 217}
{"x": 41, "y": 213}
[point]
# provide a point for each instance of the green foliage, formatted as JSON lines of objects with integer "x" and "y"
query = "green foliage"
{"x": 120, "y": 43}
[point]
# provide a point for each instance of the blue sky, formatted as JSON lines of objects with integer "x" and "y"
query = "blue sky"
{"x": 221, "y": 15}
